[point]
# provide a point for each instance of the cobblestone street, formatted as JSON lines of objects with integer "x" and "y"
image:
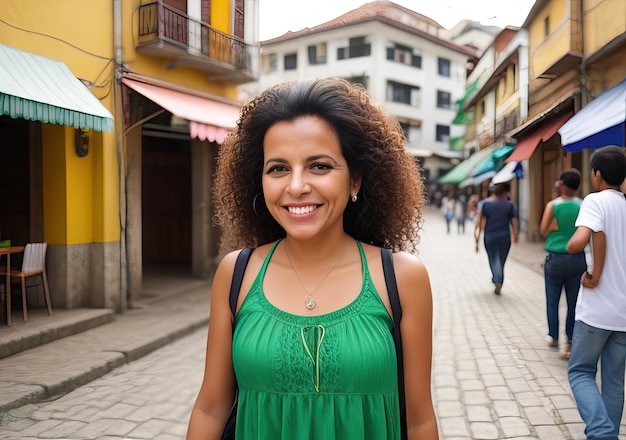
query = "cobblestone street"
{"x": 494, "y": 376}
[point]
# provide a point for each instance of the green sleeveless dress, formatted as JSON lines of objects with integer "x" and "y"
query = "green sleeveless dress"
{"x": 316, "y": 377}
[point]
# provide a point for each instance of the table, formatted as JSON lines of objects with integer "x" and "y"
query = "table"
{"x": 7, "y": 289}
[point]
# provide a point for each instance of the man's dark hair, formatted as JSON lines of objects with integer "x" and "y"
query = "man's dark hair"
{"x": 571, "y": 178}
{"x": 501, "y": 189}
{"x": 611, "y": 162}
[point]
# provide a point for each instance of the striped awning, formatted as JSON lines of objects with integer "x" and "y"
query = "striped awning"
{"x": 37, "y": 88}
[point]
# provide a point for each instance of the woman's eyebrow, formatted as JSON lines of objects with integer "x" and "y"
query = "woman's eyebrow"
{"x": 275, "y": 159}
{"x": 309, "y": 159}
{"x": 321, "y": 156}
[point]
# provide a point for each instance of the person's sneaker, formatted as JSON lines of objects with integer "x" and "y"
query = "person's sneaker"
{"x": 498, "y": 289}
{"x": 551, "y": 341}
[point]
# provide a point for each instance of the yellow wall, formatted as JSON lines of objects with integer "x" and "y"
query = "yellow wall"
{"x": 76, "y": 32}
{"x": 72, "y": 215}
{"x": 544, "y": 50}
{"x": 220, "y": 15}
{"x": 603, "y": 21}
{"x": 54, "y": 184}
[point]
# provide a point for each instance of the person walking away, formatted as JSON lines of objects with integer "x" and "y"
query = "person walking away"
{"x": 460, "y": 213}
{"x": 600, "y": 326}
{"x": 498, "y": 224}
{"x": 307, "y": 181}
{"x": 561, "y": 269}
{"x": 447, "y": 208}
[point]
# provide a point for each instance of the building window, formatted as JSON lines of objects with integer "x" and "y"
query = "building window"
{"x": 357, "y": 48}
{"x": 269, "y": 63}
{"x": 546, "y": 26}
{"x": 405, "y": 127}
{"x": 514, "y": 76}
{"x": 444, "y": 67}
{"x": 443, "y": 99}
{"x": 363, "y": 80}
{"x": 403, "y": 93}
{"x": 239, "y": 18}
{"x": 443, "y": 133}
{"x": 404, "y": 55}
{"x": 291, "y": 61}
{"x": 317, "y": 54}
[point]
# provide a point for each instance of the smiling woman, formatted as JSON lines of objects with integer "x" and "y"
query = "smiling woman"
{"x": 316, "y": 179}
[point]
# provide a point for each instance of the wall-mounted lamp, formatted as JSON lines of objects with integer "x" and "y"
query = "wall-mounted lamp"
{"x": 81, "y": 143}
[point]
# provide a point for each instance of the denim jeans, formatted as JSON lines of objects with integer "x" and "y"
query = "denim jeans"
{"x": 562, "y": 271}
{"x": 497, "y": 251}
{"x": 601, "y": 412}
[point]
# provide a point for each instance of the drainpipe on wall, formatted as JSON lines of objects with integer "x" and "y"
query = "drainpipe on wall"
{"x": 119, "y": 144}
{"x": 585, "y": 97}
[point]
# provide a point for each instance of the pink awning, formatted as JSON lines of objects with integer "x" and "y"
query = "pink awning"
{"x": 208, "y": 119}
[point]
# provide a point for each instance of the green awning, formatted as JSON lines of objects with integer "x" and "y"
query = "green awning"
{"x": 37, "y": 88}
{"x": 462, "y": 171}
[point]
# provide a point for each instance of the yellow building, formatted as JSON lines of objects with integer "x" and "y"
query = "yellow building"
{"x": 577, "y": 48}
{"x": 120, "y": 184}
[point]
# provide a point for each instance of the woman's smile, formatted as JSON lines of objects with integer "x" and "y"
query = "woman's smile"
{"x": 302, "y": 210}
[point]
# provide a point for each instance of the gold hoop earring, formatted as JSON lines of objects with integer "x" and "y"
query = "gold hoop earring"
{"x": 254, "y": 203}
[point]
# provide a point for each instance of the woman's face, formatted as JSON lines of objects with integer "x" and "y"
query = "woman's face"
{"x": 306, "y": 180}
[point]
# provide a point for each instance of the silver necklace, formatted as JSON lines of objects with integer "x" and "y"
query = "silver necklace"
{"x": 310, "y": 303}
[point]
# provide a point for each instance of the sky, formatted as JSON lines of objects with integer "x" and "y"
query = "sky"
{"x": 280, "y": 16}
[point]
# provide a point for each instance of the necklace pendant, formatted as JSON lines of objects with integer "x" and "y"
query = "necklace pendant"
{"x": 309, "y": 304}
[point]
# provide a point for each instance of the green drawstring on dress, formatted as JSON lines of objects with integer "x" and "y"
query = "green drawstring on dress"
{"x": 319, "y": 335}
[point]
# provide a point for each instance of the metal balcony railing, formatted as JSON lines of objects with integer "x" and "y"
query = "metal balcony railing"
{"x": 183, "y": 35}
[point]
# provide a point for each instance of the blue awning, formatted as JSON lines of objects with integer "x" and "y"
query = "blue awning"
{"x": 599, "y": 123}
{"x": 41, "y": 89}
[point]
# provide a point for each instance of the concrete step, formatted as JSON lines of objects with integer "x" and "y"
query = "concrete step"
{"x": 42, "y": 329}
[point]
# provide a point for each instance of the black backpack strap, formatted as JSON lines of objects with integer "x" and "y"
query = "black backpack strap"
{"x": 396, "y": 310}
{"x": 235, "y": 286}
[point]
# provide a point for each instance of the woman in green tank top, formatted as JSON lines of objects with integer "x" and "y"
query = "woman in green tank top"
{"x": 316, "y": 178}
{"x": 562, "y": 271}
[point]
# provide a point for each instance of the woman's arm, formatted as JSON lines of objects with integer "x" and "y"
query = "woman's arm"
{"x": 416, "y": 328}
{"x": 217, "y": 393}
{"x": 514, "y": 229}
{"x": 546, "y": 219}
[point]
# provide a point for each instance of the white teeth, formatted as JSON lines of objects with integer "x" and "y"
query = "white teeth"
{"x": 301, "y": 210}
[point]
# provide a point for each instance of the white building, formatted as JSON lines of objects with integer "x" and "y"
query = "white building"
{"x": 398, "y": 55}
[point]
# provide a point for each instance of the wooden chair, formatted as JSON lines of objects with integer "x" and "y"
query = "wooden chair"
{"x": 33, "y": 264}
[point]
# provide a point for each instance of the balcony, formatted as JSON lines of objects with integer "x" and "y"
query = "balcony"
{"x": 506, "y": 123}
{"x": 166, "y": 32}
{"x": 560, "y": 52}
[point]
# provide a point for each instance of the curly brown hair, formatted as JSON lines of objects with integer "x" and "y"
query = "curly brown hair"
{"x": 388, "y": 212}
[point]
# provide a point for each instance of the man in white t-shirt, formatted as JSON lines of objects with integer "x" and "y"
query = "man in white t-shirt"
{"x": 600, "y": 329}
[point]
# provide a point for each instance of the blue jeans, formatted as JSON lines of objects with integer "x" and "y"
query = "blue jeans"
{"x": 497, "y": 251}
{"x": 562, "y": 271}
{"x": 601, "y": 412}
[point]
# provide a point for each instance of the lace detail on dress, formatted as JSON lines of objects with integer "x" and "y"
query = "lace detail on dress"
{"x": 307, "y": 360}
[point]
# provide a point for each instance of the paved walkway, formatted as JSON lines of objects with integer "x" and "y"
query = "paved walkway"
{"x": 493, "y": 375}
